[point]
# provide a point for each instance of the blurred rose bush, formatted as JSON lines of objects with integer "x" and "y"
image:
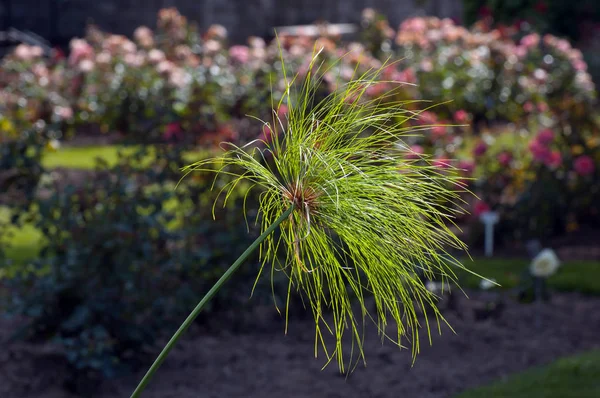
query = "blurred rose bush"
{"x": 521, "y": 109}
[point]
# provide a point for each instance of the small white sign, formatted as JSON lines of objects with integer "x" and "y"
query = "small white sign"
{"x": 489, "y": 219}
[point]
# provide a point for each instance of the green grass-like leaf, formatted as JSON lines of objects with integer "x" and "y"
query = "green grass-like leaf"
{"x": 364, "y": 219}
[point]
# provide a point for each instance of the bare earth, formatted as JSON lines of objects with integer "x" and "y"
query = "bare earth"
{"x": 263, "y": 362}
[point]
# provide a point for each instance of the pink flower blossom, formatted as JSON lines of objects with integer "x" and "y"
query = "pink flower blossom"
{"x": 504, "y": 158}
{"x": 156, "y": 56}
{"x": 461, "y": 116}
{"x": 554, "y": 159}
{"x": 539, "y": 151}
{"x": 240, "y": 54}
{"x": 531, "y": 40}
{"x": 143, "y": 35}
{"x": 580, "y": 65}
{"x": 406, "y": 76}
{"x": 545, "y": 137}
{"x": 438, "y": 131}
{"x": 467, "y": 166}
{"x": 441, "y": 163}
{"x": 415, "y": 152}
{"x": 24, "y": 52}
{"x": 282, "y": 110}
{"x": 63, "y": 112}
{"x": 267, "y": 134}
{"x": 80, "y": 50}
{"x": 427, "y": 118}
{"x": 584, "y": 165}
{"x": 480, "y": 149}
{"x": 528, "y": 107}
{"x": 376, "y": 89}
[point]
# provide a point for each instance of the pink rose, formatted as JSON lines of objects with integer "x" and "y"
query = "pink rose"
{"x": 441, "y": 163}
{"x": 480, "y": 149}
{"x": 282, "y": 110}
{"x": 531, "y": 40}
{"x": 584, "y": 165}
{"x": 461, "y": 116}
{"x": 554, "y": 159}
{"x": 545, "y": 137}
{"x": 427, "y": 118}
{"x": 438, "y": 131}
{"x": 540, "y": 152}
{"x": 504, "y": 158}
{"x": 267, "y": 134}
{"x": 240, "y": 54}
{"x": 467, "y": 166}
{"x": 414, "y": 152}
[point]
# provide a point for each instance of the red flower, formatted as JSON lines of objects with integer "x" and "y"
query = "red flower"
{"x": 480, "y": 207}
{"x": 554, "y": 159}
{"x": 541, "y": 7}
{"x": 172, "y": 131}
{"x": 584, "y": 165}
{"x": 485, "y": 11}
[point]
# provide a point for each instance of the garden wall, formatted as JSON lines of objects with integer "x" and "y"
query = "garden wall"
{"x": 59, "y": 20}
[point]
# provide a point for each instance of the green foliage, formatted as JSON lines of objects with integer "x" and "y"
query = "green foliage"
{"x": 118, "y": 266}
{"x": 20, "y": 165}
{"x": 575, "y": 376}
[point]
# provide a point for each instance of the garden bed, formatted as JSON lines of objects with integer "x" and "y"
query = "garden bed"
{"x": 263, "y": 362}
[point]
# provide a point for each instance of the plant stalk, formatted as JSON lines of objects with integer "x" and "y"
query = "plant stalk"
{"x": 190, "y": 319}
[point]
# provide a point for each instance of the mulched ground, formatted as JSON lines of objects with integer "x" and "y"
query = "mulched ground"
{"x": 263, "y": 362}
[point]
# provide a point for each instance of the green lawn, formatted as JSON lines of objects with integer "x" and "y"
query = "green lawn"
{"x": 24, "y": 244}
{"x": 80, "y": 157}
{"x": 580, "y": 276}
{"x": 85, "y": 157}
{"x": 570, "y": 377}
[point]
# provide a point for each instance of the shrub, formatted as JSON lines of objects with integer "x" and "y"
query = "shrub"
{"x": 124, "y": 258}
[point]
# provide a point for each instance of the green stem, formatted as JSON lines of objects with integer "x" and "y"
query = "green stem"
{"x": 190, "y": 319}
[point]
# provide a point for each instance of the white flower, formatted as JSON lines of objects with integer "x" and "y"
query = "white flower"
{"x": 155, "y": 56}
{"x": 86, "y": 65}
{"x": 53, "y": 145}
{"x": 433, "y": 287}
{"x": 487, "y": 284}
{"x": 544, "y": 264}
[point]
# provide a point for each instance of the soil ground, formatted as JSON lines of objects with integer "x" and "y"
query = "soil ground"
{"x": 263, "y": 362}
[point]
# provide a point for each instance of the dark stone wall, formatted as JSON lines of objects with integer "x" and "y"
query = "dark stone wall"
{"x": 59, "y": 20}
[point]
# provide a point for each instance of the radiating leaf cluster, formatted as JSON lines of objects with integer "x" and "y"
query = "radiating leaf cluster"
{"x": 366, "y": 221}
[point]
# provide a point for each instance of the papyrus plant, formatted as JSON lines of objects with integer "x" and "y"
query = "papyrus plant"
{"x": 354, "y": 219}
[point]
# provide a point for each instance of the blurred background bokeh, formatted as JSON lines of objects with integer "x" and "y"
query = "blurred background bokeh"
{"x": 104, "y": 249}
